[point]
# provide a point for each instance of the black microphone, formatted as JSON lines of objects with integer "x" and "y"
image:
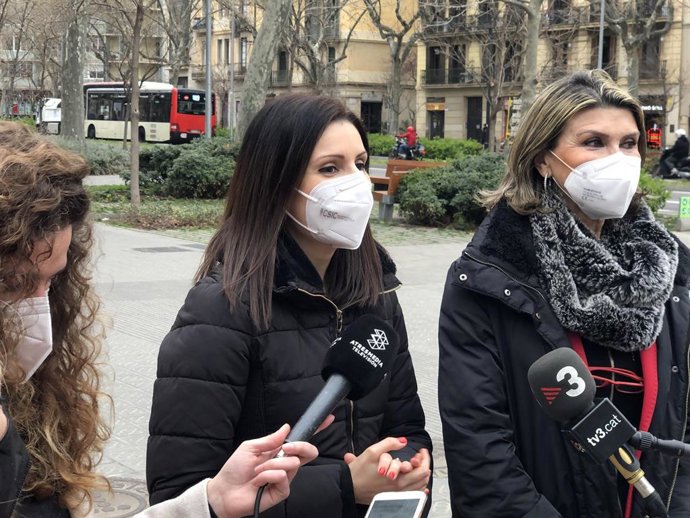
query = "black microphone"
{"x": 356, "y": 364}
{"x": 564, "y": 389}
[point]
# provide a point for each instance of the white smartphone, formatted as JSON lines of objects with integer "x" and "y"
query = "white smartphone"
{"x": 397, "y": 504}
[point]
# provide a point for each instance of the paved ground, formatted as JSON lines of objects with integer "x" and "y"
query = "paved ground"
{"x": 143, "y": 279}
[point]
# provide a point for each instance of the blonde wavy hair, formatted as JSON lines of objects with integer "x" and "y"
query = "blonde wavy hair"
{"x": 57, "y": 411}
{"x": 543, "y": 124}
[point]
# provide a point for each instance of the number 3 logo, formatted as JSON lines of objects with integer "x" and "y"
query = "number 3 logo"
{"x": 576, "y": 382}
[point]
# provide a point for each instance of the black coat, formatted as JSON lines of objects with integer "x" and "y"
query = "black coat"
{"x": 221, "y": 382}
{"x": 14, "y": 466}
{"x": 681, "y": 148}
{"x": 505, "y": 457}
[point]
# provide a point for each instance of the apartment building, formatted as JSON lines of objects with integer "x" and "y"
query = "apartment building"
{"x": 453, "y": 85}
{"x": 331, "y": 47}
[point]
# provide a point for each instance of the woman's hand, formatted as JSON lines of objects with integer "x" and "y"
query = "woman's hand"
{"x": 3, "y": 424}
{"x": 376, "y": 470}
{"x": 231, "y": 493}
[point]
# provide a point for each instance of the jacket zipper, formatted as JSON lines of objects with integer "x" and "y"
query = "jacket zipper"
{"x": 338, "y": 329}
{"x": 682, "y": 437}
{"x": 523, "y": 284}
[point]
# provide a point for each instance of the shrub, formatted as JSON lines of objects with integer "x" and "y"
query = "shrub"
{"x": 446, "y": 195}
{"x": 380, "y": 145}
{"x": 103, "y": 158}
{"x": 206, "y": 162}
{"x": 222, "y": 132}
{"x": 198, "y": 174}
{"x": 25, "y": 119}
{"x": 448, "y": 149}
{"x": 108, "y": 193}
{"x": 654, "y": 190}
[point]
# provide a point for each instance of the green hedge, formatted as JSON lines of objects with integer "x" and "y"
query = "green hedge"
{"x": 446, "y": 196}
{"x": 449, "y": 149}
{"x": 380, "y": 145}
{"x": 654, "y": 190}
{"x": 200, "y": 169}
{"x": 103, "y": 158}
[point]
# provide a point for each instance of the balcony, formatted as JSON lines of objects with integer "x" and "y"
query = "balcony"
{"x": 450, "y": 76}
{"x": 559, "y": 17}
{"x": 652, "y": 70}
{"x": 454, "y": 25}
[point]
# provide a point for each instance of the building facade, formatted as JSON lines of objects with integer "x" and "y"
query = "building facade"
{"x": 330, "y": 47}
{"x": 470, "y": 63}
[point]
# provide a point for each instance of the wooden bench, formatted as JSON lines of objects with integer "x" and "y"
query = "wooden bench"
{"x": 386, "y": 187}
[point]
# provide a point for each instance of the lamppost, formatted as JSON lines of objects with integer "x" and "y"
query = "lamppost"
{"x": 208, "y": 108}
{"x": 600, "y": 54}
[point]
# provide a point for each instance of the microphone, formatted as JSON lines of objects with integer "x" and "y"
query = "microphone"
{"x": 356, "y": 364}
{"x": 564, "y": 389}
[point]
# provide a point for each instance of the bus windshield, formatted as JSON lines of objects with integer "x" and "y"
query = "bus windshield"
{"x": 193, "y": 103}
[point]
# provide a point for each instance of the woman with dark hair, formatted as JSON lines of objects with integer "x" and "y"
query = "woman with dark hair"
{"x": 51, "y": 431}
{"x": 291, "y": 265}
{"x": 569, "y": 256}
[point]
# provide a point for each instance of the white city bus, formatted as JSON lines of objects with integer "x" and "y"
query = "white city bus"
{"x": 167, "y": 113}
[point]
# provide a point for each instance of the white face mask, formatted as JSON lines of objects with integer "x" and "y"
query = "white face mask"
{"x": 603, "y": 188}
{"x": 37, "y": 334}
{"x": 338, "y": 210}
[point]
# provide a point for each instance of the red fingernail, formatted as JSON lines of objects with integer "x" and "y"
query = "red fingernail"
{"x": 391, "y": 476}
{"x": 382, "y": 471}
{"x": 402, "y": 440}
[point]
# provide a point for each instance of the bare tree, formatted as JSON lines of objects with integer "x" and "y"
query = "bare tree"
{"x": 637, "y": 23}
{"x": 314, "y": 40}
{"x": 498, "y": 32}
{"x": 275, "y": 17}
{"x": 402, "y": 36}
{"x": 19, "y": 60}
{"x": 72, "y": 125}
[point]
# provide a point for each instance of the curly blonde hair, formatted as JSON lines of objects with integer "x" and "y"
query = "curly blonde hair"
{"x": 57, "y": 410}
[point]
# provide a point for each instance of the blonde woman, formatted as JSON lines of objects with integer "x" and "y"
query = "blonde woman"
{"x": 569, "y": 256}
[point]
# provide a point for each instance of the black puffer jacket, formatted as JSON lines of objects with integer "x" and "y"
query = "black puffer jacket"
{"x": 505, "y": 457}
{"x": 220, "y": 382}
{"x": 14, "y": 466}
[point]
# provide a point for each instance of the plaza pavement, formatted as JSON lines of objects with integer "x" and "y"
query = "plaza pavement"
{"x": 143, "y": 278}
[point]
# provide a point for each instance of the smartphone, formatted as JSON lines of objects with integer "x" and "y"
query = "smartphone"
{"x": 397, "y": 504}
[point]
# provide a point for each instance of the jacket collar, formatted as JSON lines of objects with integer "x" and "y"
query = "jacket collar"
{"x": 294, "y": 270}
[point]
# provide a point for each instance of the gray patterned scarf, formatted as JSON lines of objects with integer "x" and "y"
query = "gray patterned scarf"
{"x": 610, "y": 291}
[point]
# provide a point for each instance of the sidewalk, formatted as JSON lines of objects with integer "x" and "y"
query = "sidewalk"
{"x": 143, "y": 278}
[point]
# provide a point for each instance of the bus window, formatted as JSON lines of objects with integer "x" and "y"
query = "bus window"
{"x": 160, "y": 108}
{"x": 193, "y": 103}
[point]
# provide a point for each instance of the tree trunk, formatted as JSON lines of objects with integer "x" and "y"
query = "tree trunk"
{"x": 633, "y": 67}
{"x": 275, "y": 18}
{"x": 72, "y": 124}
{"x": 395, "y": 94}
{"x": 529, "y": 84}
{"x": 134, "y": 106}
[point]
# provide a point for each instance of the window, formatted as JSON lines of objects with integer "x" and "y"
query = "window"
{"x": 219, "y": 51}
{"x": 650, "y": 64}
{"x": 96, "y": 74}
{"x": 193, "y": 102}
{"x": 227, "y": 51}
{"x": 243, "y": 53}
{"x": 160, "y": 107}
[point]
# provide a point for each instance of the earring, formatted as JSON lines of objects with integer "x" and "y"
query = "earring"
{"x": 546, "y": 179}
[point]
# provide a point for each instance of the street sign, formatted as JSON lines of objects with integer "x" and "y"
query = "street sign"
{"x": 684, "y": 207}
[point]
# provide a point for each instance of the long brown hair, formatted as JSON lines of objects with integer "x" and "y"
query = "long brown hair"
{"x": 542, "y": 125}
{"x": 57, "y": 409}
{"x": 272, "y": 161}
